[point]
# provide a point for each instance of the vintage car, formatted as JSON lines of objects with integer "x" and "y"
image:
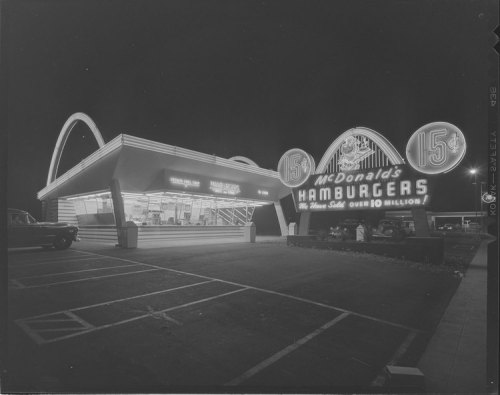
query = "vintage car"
{"x": 393, "y": 228}
{"x": 24, "y": 231}
{"x": 448, "y": 227}
{"x": 346, "y": 230}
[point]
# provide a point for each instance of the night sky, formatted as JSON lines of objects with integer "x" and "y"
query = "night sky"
{"x": 251, "y": 78}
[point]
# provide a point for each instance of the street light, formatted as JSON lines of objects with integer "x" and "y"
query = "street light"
{"x": 474, "y": 173}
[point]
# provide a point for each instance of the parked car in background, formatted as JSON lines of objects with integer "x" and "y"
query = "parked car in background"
{"x": 391, "y": 227}
{"x": 335, "y": 232}
{"x": 25, "y": 231}
{"x": 449, "y": 227}
{"x": 348, "y": 228}
{"x": 473, "y": 227}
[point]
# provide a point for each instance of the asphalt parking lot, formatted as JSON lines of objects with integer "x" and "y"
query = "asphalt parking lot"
{"x": 258, "y": 317}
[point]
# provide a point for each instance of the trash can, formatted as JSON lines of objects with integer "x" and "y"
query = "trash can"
{"x": 250, "y": 231}
{"x": 131, "y": 233}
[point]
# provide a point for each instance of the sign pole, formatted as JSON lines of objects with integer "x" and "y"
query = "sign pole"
{"x": 304, "y": 221}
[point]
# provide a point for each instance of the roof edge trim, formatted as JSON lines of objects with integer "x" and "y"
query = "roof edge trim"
{"x": 150, "y": 145}
{"x": 106, "y": 149}
{"x": 137, "y": 142}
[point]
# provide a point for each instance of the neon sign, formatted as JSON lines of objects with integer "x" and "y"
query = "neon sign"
{"x": 224, "y": 188}
{"x": 435, "y": 148}
{"x": 352, "y": 152}
{"x": 488, "y": 198}
{"x": 295, "y": 167}
{"x": 387, "y": 187}
{"x": 186, "y": 183}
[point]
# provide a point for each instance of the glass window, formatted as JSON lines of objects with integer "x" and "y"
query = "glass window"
{"x": 183, "y": 210}
{"x": 95, "y": 209}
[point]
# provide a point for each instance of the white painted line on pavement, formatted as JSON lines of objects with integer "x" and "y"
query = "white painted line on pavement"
{"x": 69, "y": 329}
{"x": 368, "y": 317}
{"x": 79, "y": 320}
{"x": 379, "y": 381}
{"x": 97, "y": 328}
{"x": 36, "y": 317}
{"x": 375, "y": 319}
{"x": 33, "y": 319}
{"x": 34, "y": 333}
{"x": 76, "y": 271}
{"x": 17, "y": 284}
{"x": 360, "y": 362}
{"x": 86, "y": 279}
{"x": 51, "y": 262}
{"x": 48, "y": 256}
{"x": 287, "y": 350}
{"x": 402, "y": 348}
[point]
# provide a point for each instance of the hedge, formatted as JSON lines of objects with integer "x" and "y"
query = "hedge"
{"x": 419, "y": 249}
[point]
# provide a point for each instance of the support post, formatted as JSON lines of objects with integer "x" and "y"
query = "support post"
{"x": 419, "y": 215}
{"x": 305, "y": 219}
{"x": 119, "y": 211}
{"x": 281, "y": 218}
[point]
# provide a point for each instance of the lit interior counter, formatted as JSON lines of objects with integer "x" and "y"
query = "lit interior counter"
{"x": 164, "y": 216}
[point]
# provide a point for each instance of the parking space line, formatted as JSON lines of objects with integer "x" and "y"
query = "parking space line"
{"x": 78, "y": 319}
{"x": 368, "y": 317}
{"x": 287, "y": 350}
{"x": 34, "y": 319}
{"x": 51, "y": 262}
{"x": 86, "y": 279}
{"x": 76, "y": 271}
{"x": 17, "y": 284}
{"x": 118, "y": 300}
{"x": 58, "y": 330}
{"x": 97, "y": 328}
{"x": 34, "y": 333}
{"x": 48, "y": 255}
{"x": 379, "y": 381}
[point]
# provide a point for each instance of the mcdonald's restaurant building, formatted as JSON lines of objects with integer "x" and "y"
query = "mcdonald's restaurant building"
{"x": 172, "y": 196}
{"x": 167, "y": 194}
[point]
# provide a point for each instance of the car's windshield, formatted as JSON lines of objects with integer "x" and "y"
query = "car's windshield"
{"x": 22, "y": 219}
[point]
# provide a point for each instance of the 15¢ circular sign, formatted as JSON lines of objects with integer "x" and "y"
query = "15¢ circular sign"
{"x": 436, "y": 148}
{"x": 295, "y": 167}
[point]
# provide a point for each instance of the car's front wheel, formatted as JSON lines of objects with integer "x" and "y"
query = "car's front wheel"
{"x": 62, "y": 242}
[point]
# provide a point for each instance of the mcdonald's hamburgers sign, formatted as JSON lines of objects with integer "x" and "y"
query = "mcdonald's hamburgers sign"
{"x": 361, "y": 170}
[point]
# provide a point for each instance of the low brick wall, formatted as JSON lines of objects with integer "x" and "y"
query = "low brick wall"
{"x": 418, "y": 249}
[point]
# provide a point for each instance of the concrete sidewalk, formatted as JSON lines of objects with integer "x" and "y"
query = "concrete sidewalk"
{"x": 455, "y": 358}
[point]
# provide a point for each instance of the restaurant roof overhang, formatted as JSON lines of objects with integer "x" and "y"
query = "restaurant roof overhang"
{"x": 143, "y": 166}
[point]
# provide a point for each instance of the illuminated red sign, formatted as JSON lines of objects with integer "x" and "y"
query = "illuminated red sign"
{"x": 393, "y": 187}
{"x": 435, "y": 148}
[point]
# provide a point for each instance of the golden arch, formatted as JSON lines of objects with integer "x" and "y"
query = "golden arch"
{"x": 63, "y": 137}
{"x": 380, "y": 141}
{"x": 244, "y": 160}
